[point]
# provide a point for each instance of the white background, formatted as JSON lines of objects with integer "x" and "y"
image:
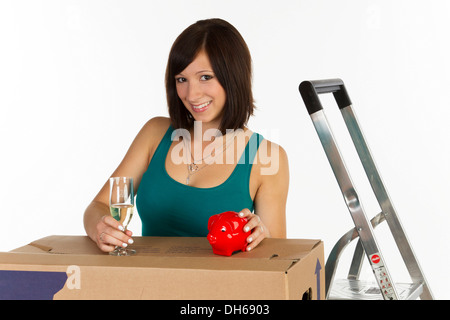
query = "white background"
{"x": 78, "y": 79}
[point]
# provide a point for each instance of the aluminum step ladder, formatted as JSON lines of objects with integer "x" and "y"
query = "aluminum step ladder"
{"x": 352, "y": 287}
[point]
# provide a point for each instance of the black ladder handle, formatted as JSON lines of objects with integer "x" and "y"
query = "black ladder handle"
{"x": 310, "y": 91}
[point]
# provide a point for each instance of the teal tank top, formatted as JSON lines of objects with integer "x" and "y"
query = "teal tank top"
{"x": 168, "y": 208}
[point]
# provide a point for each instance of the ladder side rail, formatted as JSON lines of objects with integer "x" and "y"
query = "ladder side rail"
{"x": 358, "y": 255}
{"x": 309, "y": 91}
{"x": 334, "y": 256}
{"x": 338, "y": 249}
{"x": 357, "y": 261}
{"x": 362, "y": 225}
{"x": 384, "y": 201}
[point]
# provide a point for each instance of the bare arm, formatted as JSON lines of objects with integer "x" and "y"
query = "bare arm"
{"x": 269, "y": 219}
{"x": 103, "y": 229}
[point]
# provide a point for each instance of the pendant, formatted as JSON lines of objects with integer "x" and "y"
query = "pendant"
{"x": 193, "y": 167}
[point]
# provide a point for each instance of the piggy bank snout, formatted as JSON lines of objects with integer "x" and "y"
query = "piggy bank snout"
{"x": 211, "y": 238}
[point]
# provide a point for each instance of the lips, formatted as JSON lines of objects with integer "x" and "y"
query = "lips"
{"x": 201, "y": 107}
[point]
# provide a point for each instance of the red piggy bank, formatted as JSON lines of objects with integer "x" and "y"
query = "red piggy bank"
{"x": 226, "y": 234}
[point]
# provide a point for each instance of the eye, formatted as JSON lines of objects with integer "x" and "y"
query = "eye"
{"x": 206, "y": 77}
{"x": 180, "y": 79}
{"x": 223, "y": 229}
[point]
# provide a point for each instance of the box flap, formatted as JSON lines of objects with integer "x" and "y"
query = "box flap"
{"x": 164, "y": 252}
{"x": 270, "y": 248}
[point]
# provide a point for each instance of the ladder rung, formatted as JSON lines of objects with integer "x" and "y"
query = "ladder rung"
{"x": 346, "y": 289}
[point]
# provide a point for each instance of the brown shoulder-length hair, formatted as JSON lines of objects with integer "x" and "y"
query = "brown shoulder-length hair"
{"x": 231, "y": 63}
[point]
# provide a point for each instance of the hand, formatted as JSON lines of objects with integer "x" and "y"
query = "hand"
{"x": 254, "y": 223}
{"x": 110, "y": 234}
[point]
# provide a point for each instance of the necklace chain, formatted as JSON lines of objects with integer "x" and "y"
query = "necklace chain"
{"x": 193, "y": 168}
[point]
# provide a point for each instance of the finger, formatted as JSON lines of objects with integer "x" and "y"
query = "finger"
{"x": 103, "y": 228}
{"x": 253, "y": 221}
{"x": 114, "y": 239}
{"x": 255, "y": 241}
{"x": 106, "y": 247}
{"x": 114, "y": 228}
{"x": 110, "y": 221}
{"x": 124, "y": 237}
{"x": 129, "y": 233}
{"x": 258, "y": 232}
{"x": 245, "y": 213}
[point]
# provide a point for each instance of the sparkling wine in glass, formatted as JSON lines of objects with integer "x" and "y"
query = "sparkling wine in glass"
{"x": 121, "y": 206}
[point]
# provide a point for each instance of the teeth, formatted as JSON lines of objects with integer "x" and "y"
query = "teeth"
{"x": 202, "y": 105}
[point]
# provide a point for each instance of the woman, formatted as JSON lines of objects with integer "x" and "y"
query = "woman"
{"x": 203, "y": 160}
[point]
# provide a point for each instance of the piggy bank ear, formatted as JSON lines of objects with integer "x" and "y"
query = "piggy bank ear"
{"x": 235, "y": 221}
{"x": 211, "y": 220}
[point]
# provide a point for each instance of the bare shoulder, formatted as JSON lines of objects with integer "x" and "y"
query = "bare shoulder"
{"x": 272, "y": 159}
{"x": 154, "y": 130}
{"x": 146, "y": 141}
{"x": 157, "y": 125}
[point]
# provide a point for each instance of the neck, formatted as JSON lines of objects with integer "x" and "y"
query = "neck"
{"x": 209, "y": 140}
{"x": 202, "y": 135}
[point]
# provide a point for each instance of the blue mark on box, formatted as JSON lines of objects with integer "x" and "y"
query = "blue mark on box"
{"x": 30, "y": 285}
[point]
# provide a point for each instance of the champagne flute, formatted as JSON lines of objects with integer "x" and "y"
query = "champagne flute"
{"x": 121, "y": 206}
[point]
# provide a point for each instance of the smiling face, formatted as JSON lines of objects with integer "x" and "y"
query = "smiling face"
{"x": 201, "y": 92}
{"x": 228, "y": 54}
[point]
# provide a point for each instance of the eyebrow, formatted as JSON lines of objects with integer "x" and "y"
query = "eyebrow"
{"x": 201, "y": 71}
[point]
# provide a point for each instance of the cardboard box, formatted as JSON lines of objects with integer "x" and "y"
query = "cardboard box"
{"x": 72, "y": 267}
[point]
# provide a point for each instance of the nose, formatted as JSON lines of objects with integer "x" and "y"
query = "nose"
{"x": 194, "y": 92}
